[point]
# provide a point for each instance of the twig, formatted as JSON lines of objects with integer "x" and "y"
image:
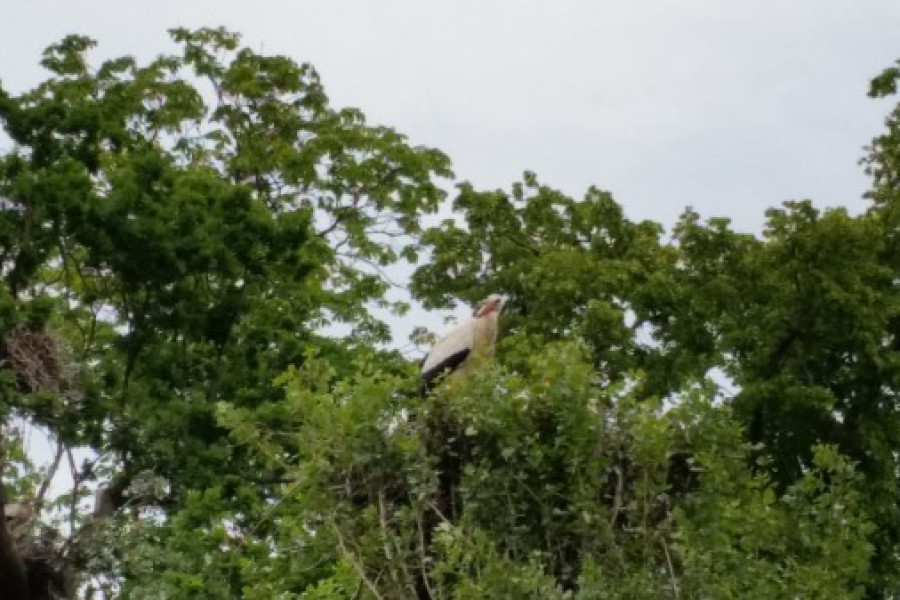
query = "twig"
{"x": 438, "y": 512}
{"x": 617, "y": 500}
{"x": 357, "y": 566}
{"x": 382, "y": 520}
{"x": 273, "y": 508}
{"x": 423, "y": 558}
{"x": 45, "y": 485}
{"x": 389, "y": 554}
{"x": 76, "y": 482}
{"x": 409, "y": 580}
{"x": 671, "y": 568}
{"x": 385, "y": 544}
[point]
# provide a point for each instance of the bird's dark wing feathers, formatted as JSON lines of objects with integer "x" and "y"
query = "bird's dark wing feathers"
{"x": 451, "y": 363}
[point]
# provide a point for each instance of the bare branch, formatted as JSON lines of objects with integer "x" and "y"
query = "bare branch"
{"x": 423, "y": 557}
{"x": 354, "y": 562}
{"x": 76, "y": 483}
{"x": 51, "y": 473}
{"x": 671, "y": 568}
{"x": 617, "y": 500}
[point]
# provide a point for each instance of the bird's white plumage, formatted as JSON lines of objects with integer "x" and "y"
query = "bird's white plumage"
{"x": 473, "y": 340}
{"x": 458, "y": 339}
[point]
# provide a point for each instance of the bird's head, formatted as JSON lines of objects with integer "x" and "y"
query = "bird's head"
{"x": 491, "y": 304}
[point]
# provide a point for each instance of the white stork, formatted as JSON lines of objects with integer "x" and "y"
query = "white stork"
{"x": 476, "y": 337}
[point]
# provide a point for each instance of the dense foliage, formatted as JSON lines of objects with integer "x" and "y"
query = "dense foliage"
{"x": 709, "y": 415}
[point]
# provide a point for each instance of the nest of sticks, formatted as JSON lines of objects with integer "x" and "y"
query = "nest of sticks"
{"x": 39, "y": 358}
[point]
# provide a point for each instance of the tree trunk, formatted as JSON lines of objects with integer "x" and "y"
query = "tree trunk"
{"x": 13, "y": 573}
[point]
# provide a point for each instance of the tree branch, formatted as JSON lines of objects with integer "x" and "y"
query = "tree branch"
{"x": 45, "y": 485}
{"x": 76, "y": 482}
{"x": 354, "y": 562}
{"x": 671, "y": 568}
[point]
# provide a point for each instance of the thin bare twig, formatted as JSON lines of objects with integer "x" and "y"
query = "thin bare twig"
{"x": 671, "y": 568}
{"x": 76, "y": 483}
{"x": 354, "y": 562}
{"x": 397, "y": 552}
{"x": 385, "y": 539}
{"x": 617, "y": 500}
{"x": 438, "y": 512}
{"x": 423, "y": 557}
{"x": 378, "y": 269}
{"x": 265, "y": 516}
{"x": 382, "y": 520}
{"x": 45, "y": 484}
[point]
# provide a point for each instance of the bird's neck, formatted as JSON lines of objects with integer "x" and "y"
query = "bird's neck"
{"x": 486, "y": 333}
{"x": 485, "y": 311}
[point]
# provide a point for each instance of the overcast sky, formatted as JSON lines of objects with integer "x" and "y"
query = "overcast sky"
{"x": 727, "y": 106}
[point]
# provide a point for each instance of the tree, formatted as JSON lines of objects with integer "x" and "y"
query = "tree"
{"x": 174, "y": 237}
{"x": 177, "y": 233}
{"x": 570, "y": 488}
{"x": 801, "y": 320}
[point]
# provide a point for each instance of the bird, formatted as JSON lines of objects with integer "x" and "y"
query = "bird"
{"x": 474, "y": 339}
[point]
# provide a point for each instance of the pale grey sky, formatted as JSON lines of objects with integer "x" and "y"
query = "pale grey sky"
{"x": 727, "y": 106}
